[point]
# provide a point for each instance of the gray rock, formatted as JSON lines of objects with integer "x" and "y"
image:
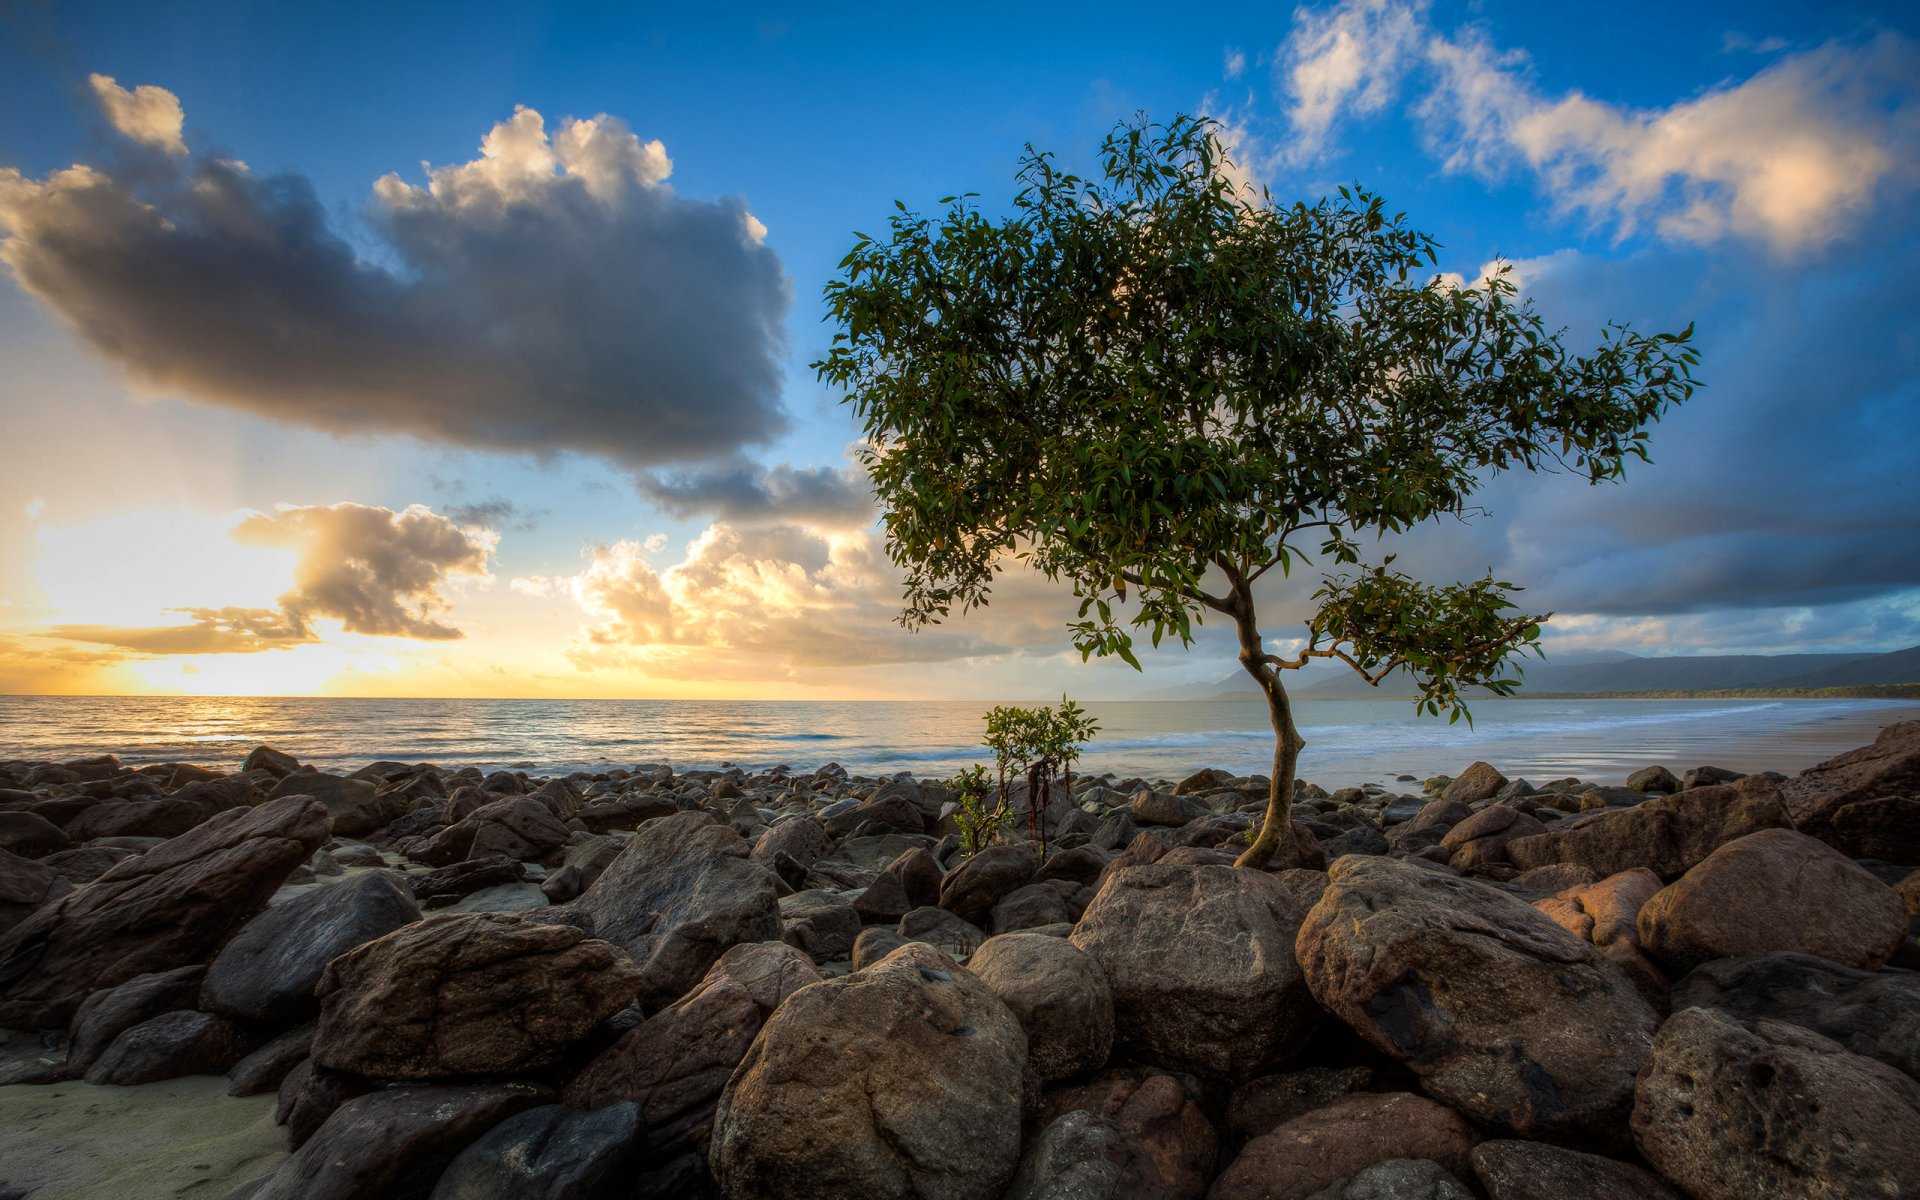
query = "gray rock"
{"x": 1060, "y": 996}
{"x": 354, "y": 806}
{"x": 168, "y": 1046}
{"x": 681, "y": 893}
{"x": 268, "y": 971}
{"x": 1875, "y": 1014}
{"x": 110, "y": 1012}
{"x": 1513, "y": 1170}
{"x": 266, "y": 1069}
{"x": 550, "y": 1153}
{"x": 1397, "y": 1179}
{"x": 1077, "y": 1157}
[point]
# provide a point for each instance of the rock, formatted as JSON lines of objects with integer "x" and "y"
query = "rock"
{"x": 1259, "y": 1106}
{"x": 1478, "y": 782}
{"x": 1172, "y": 1147}
{"x": 1034, "y": 905}
{"x": 474, "y": 994}
{"x": 274, "y": 762}
{"x": 1079, "y": 864}
{"x": 310, "y": 1094}
{"x": 1668, "y": 835}
{"x": 170, "y": 907}
{"x": 972, "y": 889}
{"x": 29, "y": 835}
{"x": 1335, "y": 1143}
{"x": 1078, "y": 1157}
{"x": 820, "y": 924}
{"x": 874, "y": 944}
{"x": 1427, "y": 827}
{"x": 1152, "y": 808}
{"x": 585, "y": 861}
{"x": 1059, "y": 995}
{"x": 85, "y": 864}
{"x": 1730, "y": 1110}
{"x": 1511, "y": 1170}
{"x": 893, "y": 812}
{"x": 24, "y": 886}
{"x": 1773, "y": 890}
{"x": 109, "y": 1012}
{"x": 857, "y": 1087}
{"x": 170, "y": 1045}
{"x": 354, "y": 806}
{"x": 680, "y": 894}
{"x": 1866, "y": 802}
{"x": 802, "y": 839}
{"x": 1504, "y": 1015}
{"x": 629, "y": 810}
{"x": 945, "y": 932}
{"x": 160, "y": 816}
{"x": 910, "y": 881}
{"x": 456, "y": 881}
{"x": 1482, "y": 839}
{"x": 268, "y": 971}
{"x": 1397, "y": 1179}
{"x": 266, "y": 1069}
{"x": 394, "y": 1143}
{"x": 676, "y": 1062}
{"x": 1875, "y": 1014}
{"x": 1201, "y": 964}
{"x": 1556, "y": 877}
{"x": 1207, "y": 779}
{"x": 549, "y": 1153}
{"x": 1654, "y": 779}
{"x": 1605, "y": 913}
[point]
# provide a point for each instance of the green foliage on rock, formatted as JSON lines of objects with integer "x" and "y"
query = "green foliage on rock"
{"x": 977, "y": 822}
{"x": 1159, "y": 388}
{"x": 1039, "y": 742}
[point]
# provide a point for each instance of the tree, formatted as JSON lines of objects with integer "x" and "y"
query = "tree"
{"x": 1154, "y": 384}
{"x": 1038, "y": 741}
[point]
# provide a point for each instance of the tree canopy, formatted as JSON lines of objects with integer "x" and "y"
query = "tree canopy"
{"x": 1156, "y": 385}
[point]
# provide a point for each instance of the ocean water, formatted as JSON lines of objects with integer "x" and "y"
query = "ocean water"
{"x": 1348, "y": 742}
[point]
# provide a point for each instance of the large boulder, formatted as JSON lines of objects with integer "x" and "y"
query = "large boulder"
{"x": 1481, "y": 781}
{"x": 395, "y": 1143}
{"x": 549, "y": 1153}
{"x": 676, "y": 1062}
{"x": 30, "y": 835}
{"x": 1872, "y": 1013}
{"x": 24, "y": 886}
{"x": 1337, "y": 1142}
{"x": 1201, "y": 964}
{"x": 1773, "y": 890}
{"x": 268, "y": 971}
{"x": 1667, "y": 835}
{"x": 681, "y": 893}
{"x": 467, "y": 995}
{"x": 354, "y": 806}
{"x": 158, "y": 816}
{"x": 170, "y": 907}
{"x": 1865, "y": 802}
{"x": 1513, "y": 1170}
{"x": 1731, "y": 1110}
{"x": 971, "y": 890}
{"x": 1060, "y": 995}
{"x": 901, "y": 1080}
{"x": 1078, "y": 1157}
{"x": 1503, "y": 1014}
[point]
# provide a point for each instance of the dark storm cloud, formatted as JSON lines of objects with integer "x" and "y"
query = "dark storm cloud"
{"x": 552, "y": 295}
{"x": 742, "y": 491}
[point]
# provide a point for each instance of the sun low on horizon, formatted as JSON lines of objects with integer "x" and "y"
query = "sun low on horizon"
{"x": 471, "y": 353}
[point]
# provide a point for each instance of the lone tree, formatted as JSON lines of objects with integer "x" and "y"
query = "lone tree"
{"x": 1156, "y": 382}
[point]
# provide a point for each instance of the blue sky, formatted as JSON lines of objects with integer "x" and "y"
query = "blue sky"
{"x": 1749, "y": 167}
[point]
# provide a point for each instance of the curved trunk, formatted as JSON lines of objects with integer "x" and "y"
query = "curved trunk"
{"x": 1287, "y": 742}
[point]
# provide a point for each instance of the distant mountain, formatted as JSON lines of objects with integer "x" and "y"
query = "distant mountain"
{"x": 1901, "y": 666}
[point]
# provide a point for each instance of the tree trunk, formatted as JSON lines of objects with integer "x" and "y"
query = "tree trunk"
{"x": 1287, "y": 742}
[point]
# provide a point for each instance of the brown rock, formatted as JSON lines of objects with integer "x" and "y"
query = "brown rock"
{"x": 1341, "y": 1140}
{"x": 1481, "y": 840}
{"x": 1202, "y": 967}
{"x": 1731, "y": 1111}
{"x": 1865, "y": 802}
{"x": 1060, "y": 996}
{"x": 1773, "y": 890}
{"x": 903, "y": 1079}
{"x": 676, "y": 1062}
{"x": 1478, "y": 782}
{"x": 972, "y": 889}
{"x": 1171, "y": 1147}
{"x": 1273, "y": 1100}
{"x": 1667, "y": 835}
{"x": 1504, "y": 1015}
{"x": 472, "y": 994}
{"x": 172, "y": 906}
{"x": 1534, "y": 1171}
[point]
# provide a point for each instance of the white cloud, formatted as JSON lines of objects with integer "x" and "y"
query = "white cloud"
{"x": 149, "y": 115}
{"x": 1236, "y": 64}
{"x": 1790, "y": 156}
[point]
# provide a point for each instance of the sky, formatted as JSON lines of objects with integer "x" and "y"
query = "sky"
{"x": 464, "y": 351}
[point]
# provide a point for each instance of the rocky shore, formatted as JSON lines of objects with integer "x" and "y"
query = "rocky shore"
{"x": 649, "y": 983}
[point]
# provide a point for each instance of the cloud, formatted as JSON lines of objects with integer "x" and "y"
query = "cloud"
{"x": 147, "y": 114}
{"x": 742, "y": 492}
{"x": 774, "y": 603}
{"x": 27, "y": 669}
{"x": 1791, "y": 156}
{"x": 553, "y": 294}
{"x": 374, "y": 570}
{"x": 496, "y": 512}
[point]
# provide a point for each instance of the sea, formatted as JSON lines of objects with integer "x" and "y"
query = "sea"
{"x": 1349, "y": 742}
